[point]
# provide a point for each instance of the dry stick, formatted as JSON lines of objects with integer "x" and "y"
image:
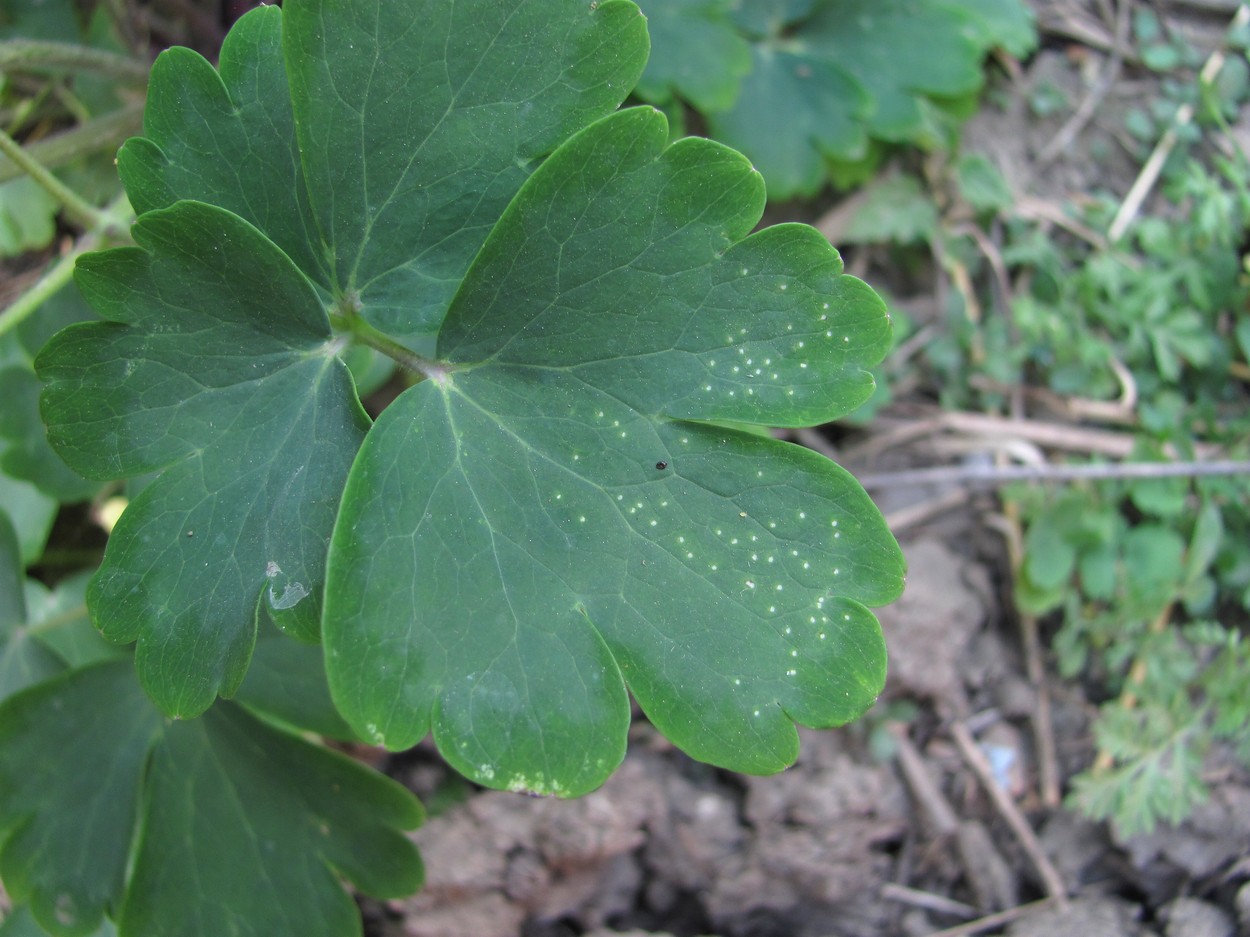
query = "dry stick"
{"x": 1042, "y": 721}
{"x": 976, "y": 851}
{"x": 1072, "y": 438}
{"x": 936, "y": 807}
{"x": 1009, "y": 812}
{"x": 915, "y": 514}
{"x": 927, "y": 900}
{"x": 1110, "y": 74}
{"x": 1008, "y": 474}
{"x": 998, "y": 919}
{"x": 1149, "y": 174}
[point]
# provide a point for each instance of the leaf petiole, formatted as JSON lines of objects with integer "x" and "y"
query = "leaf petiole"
{"x": 364, "y": 333}
{"x": 78, "y": 208}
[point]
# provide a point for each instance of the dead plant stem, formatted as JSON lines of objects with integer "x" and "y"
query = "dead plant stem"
{"x": 1007, "y": 809}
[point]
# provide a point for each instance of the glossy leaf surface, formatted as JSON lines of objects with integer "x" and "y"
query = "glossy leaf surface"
{"x": 218, "y": 367}
{"x": 528, "y": 533}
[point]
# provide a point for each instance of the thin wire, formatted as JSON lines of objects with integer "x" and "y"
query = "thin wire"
{"x": 1007, "y": 474}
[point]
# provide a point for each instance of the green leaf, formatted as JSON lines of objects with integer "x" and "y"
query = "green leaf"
{"x": 769, "y": 18}
{"x": 58, "y": 618}
{"x": 1009, "y": 24}
{"x": 418, "y": 122}
{"x": 540, "y": 525}
{"x": 895, "y": 209}
{"x": 695, "y": 53}
{"x": 27, "y": 217}
{"x": 362, "y": 179}
{"x": 827, "y": 75}
{"x": 1049, "y": 557}
{"x": 275, "y": 822}
{"x": 31, "y": 511}
{"x": 901, "y": 51}
{"x": 287, "y": 682}
{"x": 227, "y": 138}
{"x": 46, "y": 19}
{"x": 221, "y": 825}
{"x": 796, "y": 109}
{"x": 67, "y": 828}
{"x": 26, "y": 454}
{"x": 1154, "y": 559}
{"x": 981, "y": 184}
{"x": 23, "y": 660}
{"x": 219, "y": 371}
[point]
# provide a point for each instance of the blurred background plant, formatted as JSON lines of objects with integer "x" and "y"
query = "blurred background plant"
{"x": 1121, "y": 326}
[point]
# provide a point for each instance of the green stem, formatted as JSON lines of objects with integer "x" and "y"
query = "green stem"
{"x": 366, "y": 334}
{"x": 32, "y": 55}
{"x": 100, "y": 133}
{"x": 67, "y": 617}
{"x": 74, "y": 204}
{"x": 60, "y": 273}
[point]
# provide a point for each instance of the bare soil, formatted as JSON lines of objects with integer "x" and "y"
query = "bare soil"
{"x": 887, "y": 827}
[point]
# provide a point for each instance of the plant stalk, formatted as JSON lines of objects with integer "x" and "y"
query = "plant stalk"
{"x": 59, "y": 273}
{"x": 100, "y": 133}
{"x": 34, "y": 55}
{"x": 78, "y": 208}
{"x": 366, "y": 334}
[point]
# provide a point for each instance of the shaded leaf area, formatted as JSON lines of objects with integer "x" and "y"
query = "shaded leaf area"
{"x": 218, "y": 370}
{"x": 526, "y": 535}
{"x": 377, "y": 143}
{"x": 23, "y": 660}
{"x": 696, "y": 54}
{"x": 25, "y": 454}
{"x": 42, "y": 631}
{"x": 825, "y": 76}
{"x": 218, "y": 825}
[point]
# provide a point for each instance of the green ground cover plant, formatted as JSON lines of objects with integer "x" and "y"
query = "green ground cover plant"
{"x": 554, "y": 515}
{"x": 817, "y": 89}
{"x": 1144, "y": 582}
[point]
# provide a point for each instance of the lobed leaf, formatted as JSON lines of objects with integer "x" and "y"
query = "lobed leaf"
{"x": 418, "y": 122}
{"x": 219, "y": 371}
{"x": 219, "y": 825}
{"x": 695, "y": 53}
{"x": 25, "y": 454}
{"x": 828, "y": 75}
{"x": 526, "y": 534}
{"x": 67, "y": 833}
{"x": 275, "y": 822}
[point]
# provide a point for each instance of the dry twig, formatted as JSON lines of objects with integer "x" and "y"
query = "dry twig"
{"x": 1062, "y": 140}
{"x": 976, "y": 760}
{"x": 991, "y": 921}
{"x": 1009, "y": 474}
{"x": 1149, "y": 174}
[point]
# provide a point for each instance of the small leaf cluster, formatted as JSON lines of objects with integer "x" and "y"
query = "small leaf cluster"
{"x": 1147, "y": 581}
{"x": 1151, "y": 606}
{"x": 810, "y": 89}
{"x": 568, "y": 504}
{"x": 69, "y": 86}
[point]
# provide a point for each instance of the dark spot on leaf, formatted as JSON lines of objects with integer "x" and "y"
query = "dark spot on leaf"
{"x": 661, "y": 465}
